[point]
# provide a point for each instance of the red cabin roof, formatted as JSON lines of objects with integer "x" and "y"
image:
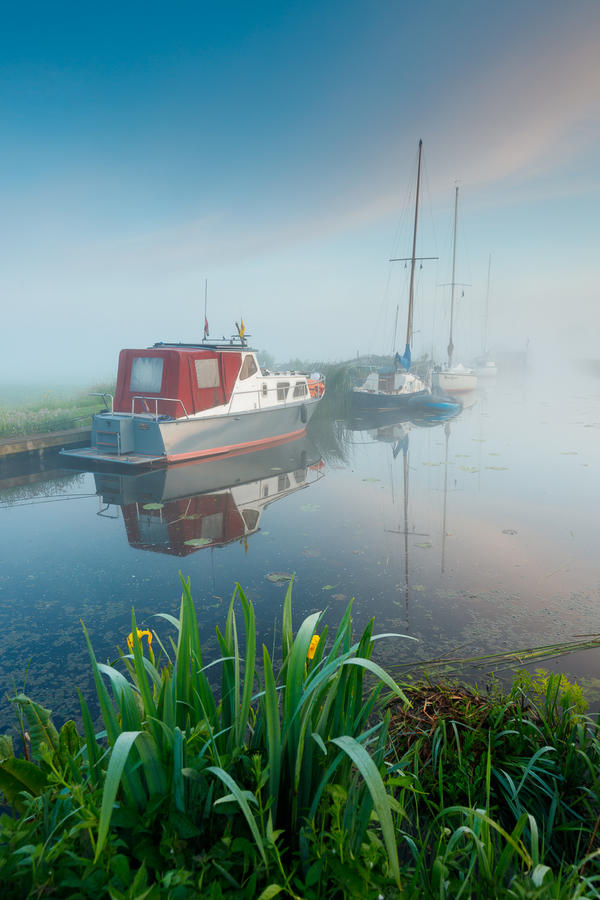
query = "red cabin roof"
{"x": 174, "y": 381}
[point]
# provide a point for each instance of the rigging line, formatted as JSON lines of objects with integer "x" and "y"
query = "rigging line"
{"x": 400, "y": 238}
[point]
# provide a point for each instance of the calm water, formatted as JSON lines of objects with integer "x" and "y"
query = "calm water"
{"x": 473, "y": 536}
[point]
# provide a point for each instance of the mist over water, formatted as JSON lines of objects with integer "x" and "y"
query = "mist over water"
{"x": 474, "y": 536}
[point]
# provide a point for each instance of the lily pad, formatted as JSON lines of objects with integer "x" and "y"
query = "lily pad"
{"x": 153, "y": 506}
{"x": 198, "y": 542}
{"x": 418, "y": 587}
{"x": 328, "y": 587}
{"x": 279, "y": 577}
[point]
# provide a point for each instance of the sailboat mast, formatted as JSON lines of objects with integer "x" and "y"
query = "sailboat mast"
{"x": 450, "y": 343}
{"x": 409, "y": 325}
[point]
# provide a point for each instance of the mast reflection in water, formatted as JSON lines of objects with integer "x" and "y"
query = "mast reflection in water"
{"x": 384, "y": 426}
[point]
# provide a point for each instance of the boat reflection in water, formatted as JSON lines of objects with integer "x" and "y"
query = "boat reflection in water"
{"x": 180, "y": 509}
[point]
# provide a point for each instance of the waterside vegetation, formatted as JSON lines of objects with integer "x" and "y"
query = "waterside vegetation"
{"x": 304, "y": 771}
{"x": 51, "y": 411}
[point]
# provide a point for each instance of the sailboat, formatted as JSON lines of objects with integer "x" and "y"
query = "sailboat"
{"x": 454, "y": 379}
{"x": 391, "y": 389}
{"x": 486, "y": 367}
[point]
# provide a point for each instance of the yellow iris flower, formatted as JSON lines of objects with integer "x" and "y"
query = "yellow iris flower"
{"x": 140, "y": 634}
{"x": 313, "y": 646}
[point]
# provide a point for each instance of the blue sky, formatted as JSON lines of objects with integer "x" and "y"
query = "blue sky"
{"x": 270, "y": 148}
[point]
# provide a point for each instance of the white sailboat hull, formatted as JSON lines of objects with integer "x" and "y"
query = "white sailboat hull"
{"x": 455, "y": 381}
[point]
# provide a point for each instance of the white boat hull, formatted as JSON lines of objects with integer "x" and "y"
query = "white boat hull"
{"x": 455, "y": 382}
{"x": 146, "y": 440}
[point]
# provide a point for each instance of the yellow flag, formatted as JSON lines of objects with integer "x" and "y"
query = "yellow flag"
{"x": 242, "y": 328}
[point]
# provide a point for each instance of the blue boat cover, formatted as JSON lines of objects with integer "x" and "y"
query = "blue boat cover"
{"x": 404, "y": 360}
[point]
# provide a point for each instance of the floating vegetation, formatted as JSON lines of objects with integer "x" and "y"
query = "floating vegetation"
{"x": 198, "y": 542}
{"x": 310, "y": 507}
{"x": 151, "y": 506}
{"x": 497, "y": 468}
{"x": 279, "y": 577}
{"x": 470, "y": 469}
{"x": 425, "y": 545}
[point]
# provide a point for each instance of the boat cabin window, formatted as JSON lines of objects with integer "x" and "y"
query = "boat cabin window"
{"x": 300, "y": 389}
{"x": 265, "y": 389}
{"x": 249, "y": 367}
{"x": 207, "y": 373}
{"x": 282, "y": 389}
{"x": 146, "y": 374}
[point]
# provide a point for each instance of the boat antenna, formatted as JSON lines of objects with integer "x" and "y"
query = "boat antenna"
{"x": 205, "y": 302}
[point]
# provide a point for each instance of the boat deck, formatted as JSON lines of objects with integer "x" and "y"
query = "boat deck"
{"x": 126, "y": 459}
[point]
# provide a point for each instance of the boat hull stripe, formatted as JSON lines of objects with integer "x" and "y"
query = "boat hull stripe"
{"x": 229, "y": 448}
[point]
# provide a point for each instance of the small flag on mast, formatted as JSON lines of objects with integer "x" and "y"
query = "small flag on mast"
{"x": 242, "y": 328}
{"x": 205, "y": 327}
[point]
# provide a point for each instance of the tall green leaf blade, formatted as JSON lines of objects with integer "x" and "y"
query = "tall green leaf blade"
{"x": 273, "y": 729}
{"x": 381, "y": 801}
{"x": 152, "y": 765}
{"x": 124, "y": 695}
{"x": 380, "y": 673}
{"x": 178, "y": 785}
{"x": 142, "y": 678}
{"x": 114, "y": 773}
{"x": 108, "y": 713}
{"x": 249, "y": 664}
{"x": 287, "y": 632}
{"x": 93, "y": 749}
{"x": 228, "y": 781}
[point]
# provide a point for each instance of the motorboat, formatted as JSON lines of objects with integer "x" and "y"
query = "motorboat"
{"x": 176, "y": 402}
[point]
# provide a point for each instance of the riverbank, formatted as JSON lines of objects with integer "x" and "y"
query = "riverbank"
{"x": 306, "y": 772}
{"x": 32, "y": 445}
